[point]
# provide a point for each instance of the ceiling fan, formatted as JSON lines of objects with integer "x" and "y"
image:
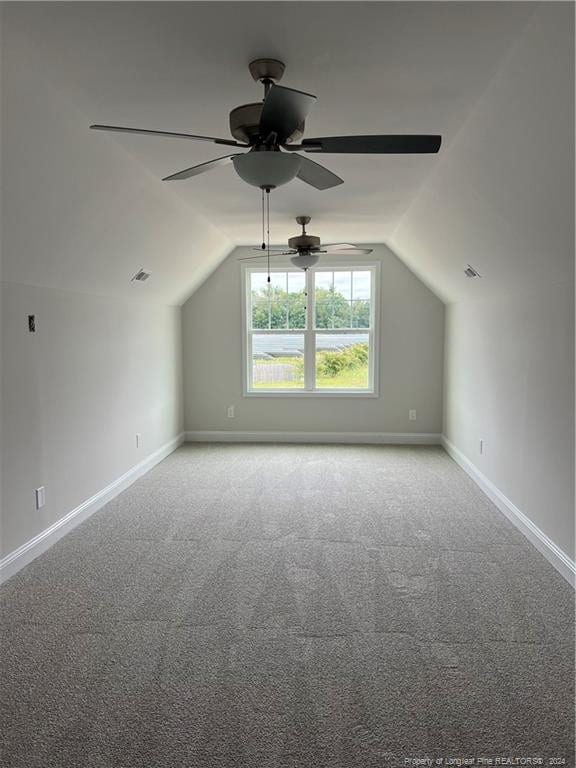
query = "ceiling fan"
{"x": 272, "y": 131}
{"x": 305, "y": 249}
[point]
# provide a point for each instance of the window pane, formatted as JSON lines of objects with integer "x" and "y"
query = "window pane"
{"x": 342, "y": 361}
{"x": 277, "y": 361}
{"x": 258, "y": 281}
{"x": 296, "y": 282}
{"x": 278, "y": 312}
{"x": 280, "y": 303}
{"x": 278, "y": 281}
{"x": 261, "y": 313}
{"x": 296, "y": 300}
{"x": 323, "y": 299}
{"x": 324, "y": 280}
{"x": 360, "y": 314}
{"x": 333, "y": 292}
{"x": 361, "y": 285}
{"x": 333, "y": 311}
{"x": 342, "y": 312}
{"x": 296, "y": 310}
{"x": 260, "y": 295}
{"x": 324, "y": 311}
{"x": 343, "y": 284}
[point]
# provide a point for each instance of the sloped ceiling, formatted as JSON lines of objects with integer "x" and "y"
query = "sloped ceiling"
{"x": 85, "y": 215}
{"x": 86, "y": 210}
{"x": 502, "y": 196}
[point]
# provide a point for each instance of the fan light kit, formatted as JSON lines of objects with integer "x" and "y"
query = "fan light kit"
{"x": 267, "y": 170}
{"x": 272, "y": 131}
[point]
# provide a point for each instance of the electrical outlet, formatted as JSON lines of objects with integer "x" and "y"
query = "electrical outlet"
{"x": 230, "y": 411}
{"x": 138, "y": 440}
{"x": 412, "y": 415}
{"x": 40, "y": 497}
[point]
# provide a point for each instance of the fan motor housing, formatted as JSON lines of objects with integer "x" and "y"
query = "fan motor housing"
{"x": 304, "y": 243}
{"x": 245, "y": 124}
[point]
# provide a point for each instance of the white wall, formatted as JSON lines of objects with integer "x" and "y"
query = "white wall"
{"x": 97, "y": 371}
{"x": 411, "y": 354}
{"x": 80, "y": 216}
{"x": 502, "y": 199}
{"x": 509, "y": 380}
{"x": 1, "y": 242}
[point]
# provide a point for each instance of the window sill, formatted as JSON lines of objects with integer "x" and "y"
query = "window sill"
{"x": 309, "y": 393}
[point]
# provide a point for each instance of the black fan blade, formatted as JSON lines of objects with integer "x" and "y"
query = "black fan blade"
{"x": 170, "y": 134}
{"x": 283, "y": 111}
{"x": 385, "y": 145}
{"x": 316, "y": 175}
{"x": 202, "y": 168}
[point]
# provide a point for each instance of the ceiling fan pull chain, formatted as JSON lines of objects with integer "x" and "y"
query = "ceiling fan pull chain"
{"x": 268, "y": 227}
{"x": 263, "y": 238}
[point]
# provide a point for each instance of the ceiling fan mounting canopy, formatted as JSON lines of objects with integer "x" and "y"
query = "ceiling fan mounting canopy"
{"x": 272, "y": 132}
{"x": 267, "y": 69}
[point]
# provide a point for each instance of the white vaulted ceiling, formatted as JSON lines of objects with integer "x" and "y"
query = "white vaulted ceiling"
{"x": 502, "y": 197}
{"x": 376, "y": 68}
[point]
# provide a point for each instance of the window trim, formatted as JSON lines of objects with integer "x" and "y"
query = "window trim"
{"x": 374, "y": 331}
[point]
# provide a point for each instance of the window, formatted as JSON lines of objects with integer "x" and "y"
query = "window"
{"x": 310, "y": 332}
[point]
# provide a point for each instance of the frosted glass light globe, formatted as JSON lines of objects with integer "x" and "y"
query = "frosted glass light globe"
{"x": 304, "y": 260}
{"x": 266, "y": 169}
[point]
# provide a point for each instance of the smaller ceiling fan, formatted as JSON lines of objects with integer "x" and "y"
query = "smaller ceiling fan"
{"x": 305, "y": 249}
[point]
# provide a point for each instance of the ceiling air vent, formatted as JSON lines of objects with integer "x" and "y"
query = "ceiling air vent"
{"x": 141, "y": 276}
{"x": 471, "y": 272}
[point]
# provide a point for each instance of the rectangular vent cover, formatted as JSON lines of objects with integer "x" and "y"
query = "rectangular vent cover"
{"x": 471, "y": 272}
{"x": 141, "y": 276}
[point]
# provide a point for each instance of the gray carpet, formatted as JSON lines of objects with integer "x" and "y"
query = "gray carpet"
{"x": 288, "y": 606}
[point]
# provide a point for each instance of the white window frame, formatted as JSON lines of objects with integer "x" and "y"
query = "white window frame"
{"x": 310, "y": 331}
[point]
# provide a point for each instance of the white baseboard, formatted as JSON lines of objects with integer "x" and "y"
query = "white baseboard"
{"x": 20, "y": 557}
{"x": 263, "y": 436}
{"x": 551, "y": 551}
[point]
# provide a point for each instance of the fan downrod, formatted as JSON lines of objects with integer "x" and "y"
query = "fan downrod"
{"x": 304, "y": 243}
{"x": 303, "y": 220}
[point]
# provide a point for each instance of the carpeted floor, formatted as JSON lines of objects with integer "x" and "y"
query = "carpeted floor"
{"x": 288, "y": 606}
